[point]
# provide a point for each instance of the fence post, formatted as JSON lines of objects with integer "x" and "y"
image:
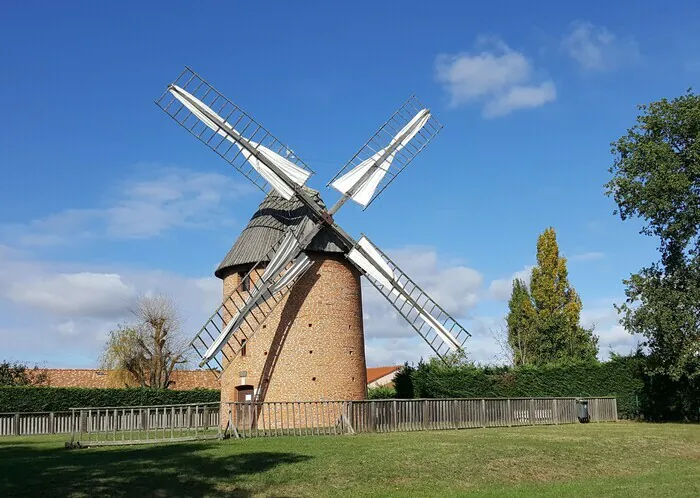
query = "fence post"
{"x": 510, "y": 413}
{"x": 394, "y": 421}
{"x": 555, "y": 413}
{"x": 16, "y": 424}
{"x": 424, "y": 404}
{"x": 373, "y": 414}
{"x": 615, "y": 409}
{"x": 52, "y": 428}
{"x": 454, "y": 410}
{"x": 532, "y": 411}
{"x": 483, "y": 412}
{"x": 205, "y": 422}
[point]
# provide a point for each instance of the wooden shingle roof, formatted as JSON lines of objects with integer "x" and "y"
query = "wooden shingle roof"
{"x": 266, "y": 227}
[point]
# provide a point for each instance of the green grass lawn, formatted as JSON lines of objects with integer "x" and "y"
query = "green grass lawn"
{"x": 613, "y": 459}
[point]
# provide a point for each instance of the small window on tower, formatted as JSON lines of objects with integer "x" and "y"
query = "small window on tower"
{"x": 245, "y": 280}
{"x": 244, "y": 344}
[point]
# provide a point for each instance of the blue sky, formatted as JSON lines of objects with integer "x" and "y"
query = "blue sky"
{"x": 104, "y": 197}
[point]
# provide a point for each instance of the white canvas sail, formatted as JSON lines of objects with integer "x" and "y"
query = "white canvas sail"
{"x": 363, "y": 189}
{"x": 211, "y": 119}
{"x": 300, "y": 266}
{"x": 374, "y": 264}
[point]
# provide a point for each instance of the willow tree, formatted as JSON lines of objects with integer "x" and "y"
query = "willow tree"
{"x": 544, "y": 323}
{"x": 146, "y": 352}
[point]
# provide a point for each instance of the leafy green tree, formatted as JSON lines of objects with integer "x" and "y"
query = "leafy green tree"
{"x": 521, "y": 324}
{"x": 19, "y": 374}
{"x": 544, "y": 323}
{"x": 656, "y": 177}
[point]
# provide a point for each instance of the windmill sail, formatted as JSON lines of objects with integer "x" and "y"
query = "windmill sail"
{"x": 362, "y": 181}
{"x": 233, "y": 134}
{"x": 442, "y": 333}
{"x": 210, "y": 118}
{"x": 240, "y": 315}
{"x": 387, "y": 153}
{"x": 264, "y": 291}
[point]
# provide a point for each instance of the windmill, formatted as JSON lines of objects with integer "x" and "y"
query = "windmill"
{"x": 301, "y": 234}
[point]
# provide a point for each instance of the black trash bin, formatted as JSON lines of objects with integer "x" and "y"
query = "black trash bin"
{"x": 583, "y": 416}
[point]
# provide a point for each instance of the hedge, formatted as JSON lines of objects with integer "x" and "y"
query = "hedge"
{"x": 48, "y": 399}
{"x": 638, "y": 394}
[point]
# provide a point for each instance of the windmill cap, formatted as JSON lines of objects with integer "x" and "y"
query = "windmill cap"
{"x": 274, "y": 215}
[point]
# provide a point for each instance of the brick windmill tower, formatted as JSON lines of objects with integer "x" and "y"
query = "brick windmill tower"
{"x": 290, "y": 325}
{"x": 312, "y": 346}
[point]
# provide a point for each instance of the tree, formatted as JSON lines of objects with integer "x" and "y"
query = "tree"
{"x": 19, "y": 374}
{"x": 544, "y": 322}
{"x": 521, "y": 323}
{"x": 146, "y": 352}
{"x": 656, "y": 177}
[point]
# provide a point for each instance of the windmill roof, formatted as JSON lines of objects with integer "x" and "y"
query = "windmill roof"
{"x": 266, "y": 227}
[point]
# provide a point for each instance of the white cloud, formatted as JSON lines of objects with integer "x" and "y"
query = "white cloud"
{"x": 587, "y": 256}
{"x": 602, "y": 315}
{"x": 497, "y": 76}
{"x": 62, "y": 313}
{"x": 500, "y": 289}
{"x": 147, "y": 207}
{"x": 85, "y": 294}
{"x": 595, "y": 48}
{"x": 520, "y": 97}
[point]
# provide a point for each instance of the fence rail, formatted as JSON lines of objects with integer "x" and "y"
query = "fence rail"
{"x": 342, "y": 417}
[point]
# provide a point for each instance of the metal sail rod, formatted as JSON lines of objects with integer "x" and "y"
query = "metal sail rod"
{"x": 387, "y": 153}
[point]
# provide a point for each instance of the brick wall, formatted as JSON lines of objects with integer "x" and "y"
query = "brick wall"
{"x": 312, "y": 346}
{"x": 78, "y": 377}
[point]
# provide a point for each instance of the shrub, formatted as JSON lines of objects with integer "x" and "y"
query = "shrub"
{"x": 638, "y": 394}
{"x": 40, "y": 399}
{"x": 381, "y": 392}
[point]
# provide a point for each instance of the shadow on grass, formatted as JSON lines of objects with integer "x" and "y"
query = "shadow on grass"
{"x": 182, "y": 469}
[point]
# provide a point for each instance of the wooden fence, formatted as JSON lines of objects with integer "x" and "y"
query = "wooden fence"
{"x": 144, "y": 424}
{"x": 131, "y": 423}
{"x": 343, "y": 417}
{"x": 153, "y": 424}
{"x": 36, "y": 423}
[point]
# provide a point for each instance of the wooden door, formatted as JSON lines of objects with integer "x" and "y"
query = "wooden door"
{"x": 245, "y": 410}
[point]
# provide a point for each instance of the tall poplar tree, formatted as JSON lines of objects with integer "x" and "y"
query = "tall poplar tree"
{"x": 549, "y": 316}
{"x": 521, "y": 324}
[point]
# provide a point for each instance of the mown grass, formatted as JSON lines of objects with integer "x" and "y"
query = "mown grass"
{"x": 614, "y": 459}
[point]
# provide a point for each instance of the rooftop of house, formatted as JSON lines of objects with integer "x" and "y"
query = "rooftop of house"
{"x": 375, "y": 373}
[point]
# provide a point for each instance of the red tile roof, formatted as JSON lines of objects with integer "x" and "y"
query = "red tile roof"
{"x": 375, "y": 373}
